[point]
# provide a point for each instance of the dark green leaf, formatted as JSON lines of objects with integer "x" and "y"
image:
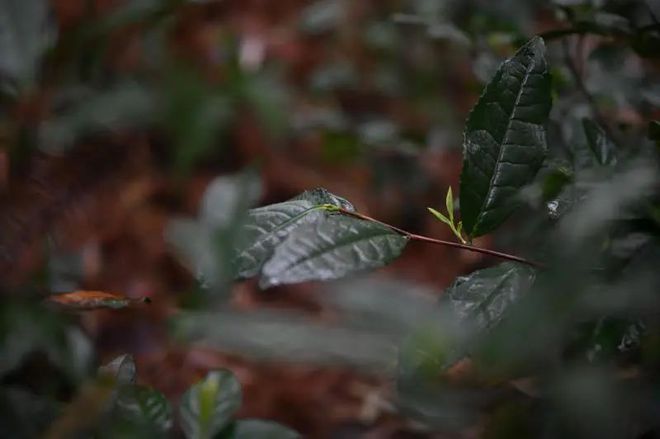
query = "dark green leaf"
{"x": 482, "y": 298}
{"x": 145, "y": 407}
{"x": 505, "y": 139}
{"x": 330, "y": 249}
{"x": 654, "y": 131}
{"x": 603, "y": 148}
{"x": 207, "y": 407}
{"x": 258, "y": 429}
{"x": 266, "y": 227}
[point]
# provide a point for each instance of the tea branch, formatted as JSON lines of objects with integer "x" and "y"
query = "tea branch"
{"x": 429, "y": 240}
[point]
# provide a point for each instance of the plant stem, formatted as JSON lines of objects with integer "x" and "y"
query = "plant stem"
{"x": 429, "y": 240}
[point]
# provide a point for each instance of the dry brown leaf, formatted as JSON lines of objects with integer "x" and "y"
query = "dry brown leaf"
{"x": 92, "y": 300}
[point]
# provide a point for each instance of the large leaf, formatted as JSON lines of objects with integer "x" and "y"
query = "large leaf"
{"x": 266, "y": 227}
{"x": 481, "y": 298}
{"x": 287, "y": 336}
{"x": 207, "y": 407}
{"x": 330, "y": 249}
{"x": 258, "y": 429}
{"x": 505, "y": 142}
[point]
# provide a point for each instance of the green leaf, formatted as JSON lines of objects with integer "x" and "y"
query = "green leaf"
{"x": 207, "y": 407}
{"x": 440, "y": 216}
{"x": 122, "y": 369}
{"x": 330, "y": 249}
{"x": 505, "y": 143}
{"x": 449, "y": 204}
{"x": 258, "y": 429}
{"x": 481, "y": 298}
{"x": 145, "y": 407}
{"x": 603, "y": 148}
{"x": 267, "y": 227}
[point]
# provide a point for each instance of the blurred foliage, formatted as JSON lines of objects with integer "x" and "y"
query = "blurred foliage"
{"x": 143, "y": 110}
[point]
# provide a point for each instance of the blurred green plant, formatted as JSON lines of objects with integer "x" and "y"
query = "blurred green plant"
{"x": 566, "y": 346}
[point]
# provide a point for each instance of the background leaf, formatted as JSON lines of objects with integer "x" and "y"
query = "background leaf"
{"x": 145, "y": 407}
{"x": 206, "y": 408}
{"x": 602, "y": 147}
{"x": 122, "y": 369}
{"x": 481, "y": 298}
{"x": 206, "y": 244}
{"x": 330, "y": 249}
{"x": 505, "y": 139}
{"x": 258, "y": 429}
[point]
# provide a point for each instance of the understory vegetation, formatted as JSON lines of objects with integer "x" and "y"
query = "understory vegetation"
{"x": 456, "y": 205}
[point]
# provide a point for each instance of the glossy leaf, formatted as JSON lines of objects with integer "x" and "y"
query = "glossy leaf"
{"x": 266, "y": 227}
{"x": 207, "y": 407}
{"x": 602, "y": 147}
{"x": 480, "y": 299}
{"x": 505, "y": 141}
{"x": 92, "y": 300}
{"x": 258, "y": 429}
{"x": 122, "y": 369}
{"x": 330, "y": 249}
{"x": 145, "y": 407}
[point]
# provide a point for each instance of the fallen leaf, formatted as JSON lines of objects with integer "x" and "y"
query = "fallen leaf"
{"x": 91, "y": 300}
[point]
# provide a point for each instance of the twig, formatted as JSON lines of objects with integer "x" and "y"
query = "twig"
{"x": 421, "y": 238}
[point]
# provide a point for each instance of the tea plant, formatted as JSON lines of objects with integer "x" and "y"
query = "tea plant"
{"x": 559, "y": 342}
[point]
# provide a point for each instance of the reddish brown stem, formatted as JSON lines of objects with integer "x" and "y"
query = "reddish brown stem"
{"x": 421, "y": 238}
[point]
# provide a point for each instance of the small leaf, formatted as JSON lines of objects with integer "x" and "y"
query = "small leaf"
{"x": 266, "y": 227}
{"x": 122, "y": 369}
{"x": 603, "y": 148}
{"x": 440, "y": 216}
{"x": 92, "y": 300}
{"x": 505, "y": 141}
{"x": 207, "y": 407}
{"x": 258, "y": 429}
{"x": 330, "y": 249}
{"x": 481, "y": 298}
{"x": 145, "y": 407}
{"x": 449, "y": 204}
